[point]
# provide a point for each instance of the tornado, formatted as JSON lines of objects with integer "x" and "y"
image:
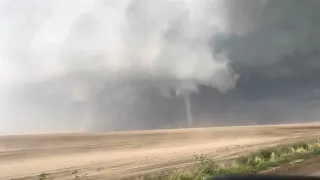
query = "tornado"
{"x": 75, "y": 53}
{"x": 187, "y": 101}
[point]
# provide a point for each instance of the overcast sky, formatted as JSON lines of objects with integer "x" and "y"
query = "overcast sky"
{"x": 104, "y": 65}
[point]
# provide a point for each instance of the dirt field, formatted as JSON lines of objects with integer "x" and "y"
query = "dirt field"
{"x": 128, "y": 154}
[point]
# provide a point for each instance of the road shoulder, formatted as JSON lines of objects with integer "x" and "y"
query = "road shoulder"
{"x": 306, "y": 167}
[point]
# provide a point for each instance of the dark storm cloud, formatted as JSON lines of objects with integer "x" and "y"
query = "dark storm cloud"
{"x": 277, "y": 56}
{"x": 116, "y": 65}
{"x": 284, "y": 36}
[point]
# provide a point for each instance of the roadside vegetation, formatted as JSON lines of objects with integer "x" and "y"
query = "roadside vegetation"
{"x": 260, "y": 161}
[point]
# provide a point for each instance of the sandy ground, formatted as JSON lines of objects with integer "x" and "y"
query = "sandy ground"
{"x": 129, "y": 154}
{"x": 304, "y": 167}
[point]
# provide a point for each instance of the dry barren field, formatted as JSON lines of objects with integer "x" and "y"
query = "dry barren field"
{"x": 129, "y": 154}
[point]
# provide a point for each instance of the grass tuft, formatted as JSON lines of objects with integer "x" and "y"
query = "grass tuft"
{"x": 263, "y": 160}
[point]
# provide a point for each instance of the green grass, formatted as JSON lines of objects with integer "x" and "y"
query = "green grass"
{"x": 43, "y": 176}
{"x": 254, "y": 163}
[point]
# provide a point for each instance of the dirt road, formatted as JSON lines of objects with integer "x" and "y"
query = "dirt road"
{"x": 127, "y": 154}
{"x": 306, "y": 167}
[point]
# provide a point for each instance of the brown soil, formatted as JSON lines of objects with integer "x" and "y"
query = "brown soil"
{"x": 127, "y": 154}
{"x": 302, "y": 167}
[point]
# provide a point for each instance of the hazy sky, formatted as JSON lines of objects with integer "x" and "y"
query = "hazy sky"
{"x": 101, "y": 65}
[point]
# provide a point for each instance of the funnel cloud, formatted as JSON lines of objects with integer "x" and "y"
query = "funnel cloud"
{"x": 106, "y": 65}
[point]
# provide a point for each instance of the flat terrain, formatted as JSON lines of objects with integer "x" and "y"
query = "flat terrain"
{"x": 128, "y": 154}
{"x": 308, "y": 167}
